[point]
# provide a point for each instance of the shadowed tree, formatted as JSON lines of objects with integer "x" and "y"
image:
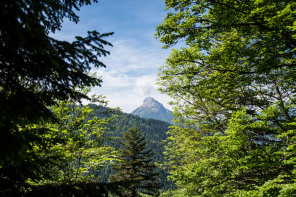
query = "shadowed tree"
{"x": 135, "y": 166}
{"x": 37, "y": 70}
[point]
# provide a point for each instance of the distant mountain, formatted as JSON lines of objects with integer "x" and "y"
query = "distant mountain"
{"x": 153, "y": 109}
{"x": 153, "y": 130}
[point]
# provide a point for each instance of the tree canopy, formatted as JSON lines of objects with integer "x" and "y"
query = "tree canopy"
{"x": 234, "y": 85}
{"x": 63, "y": 156}
{"x": 36, "y": 69}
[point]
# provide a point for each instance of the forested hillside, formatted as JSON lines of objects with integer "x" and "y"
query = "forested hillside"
{"x": 153, "y": 130}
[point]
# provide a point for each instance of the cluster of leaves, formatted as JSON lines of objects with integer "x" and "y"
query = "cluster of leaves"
{"x": 69, "y": 151}
{"x": 234, "y": 86}
{"x": 253, "y": 157}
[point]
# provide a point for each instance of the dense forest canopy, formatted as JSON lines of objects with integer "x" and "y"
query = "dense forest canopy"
{"x": 65, "y": 155}
{"x": 234, "y": 85}
{"x": 154, "y": 132}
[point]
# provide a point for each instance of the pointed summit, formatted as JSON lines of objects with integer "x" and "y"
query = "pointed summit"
{"x": 151, "y": 102}
{"x": 153, "y": 109}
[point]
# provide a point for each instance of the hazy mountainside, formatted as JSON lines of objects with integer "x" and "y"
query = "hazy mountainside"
{"x": 153, "y": 109}
{"x": 154, "y": 132}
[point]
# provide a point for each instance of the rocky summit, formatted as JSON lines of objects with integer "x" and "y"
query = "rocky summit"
{"x": 153, "y": 109}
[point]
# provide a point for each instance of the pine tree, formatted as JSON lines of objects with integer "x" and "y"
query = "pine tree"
{"x": 37, "y": 70}
{"x": 135, "y": 166}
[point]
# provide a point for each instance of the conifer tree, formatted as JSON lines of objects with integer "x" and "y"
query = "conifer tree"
{"x": 135, "y": 167}
{"x": 37, "y": 70}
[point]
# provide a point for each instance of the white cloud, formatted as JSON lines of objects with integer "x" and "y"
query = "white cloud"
{"x": 129, "y": 101}
{"x": 113, "y": 79}
{"x": 128, "y": 92}
{"x": 145, "y": 84}
{"x": 128, "y": 55}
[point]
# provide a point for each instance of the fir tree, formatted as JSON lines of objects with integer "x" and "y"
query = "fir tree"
{"x": 135, "y": 166}
{"x": 37, "y": 71}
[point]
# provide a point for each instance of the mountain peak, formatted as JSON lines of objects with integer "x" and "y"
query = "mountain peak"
{"x": 149, "y": 99}
{"x": 153, "y": 109}
{"x": 150, "y": 102}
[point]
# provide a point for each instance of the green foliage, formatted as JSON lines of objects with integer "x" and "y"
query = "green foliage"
{"x": 36, "y": 69}
{"x": 135, "y": 166}
{"x": 234, "y": 86}
{"x": 154, "y": 131}
{"x": 61, "y": 154}
{"x": 240, "y": 161}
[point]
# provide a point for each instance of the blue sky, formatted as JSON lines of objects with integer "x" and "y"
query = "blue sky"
{"x": 135, "y": 56}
